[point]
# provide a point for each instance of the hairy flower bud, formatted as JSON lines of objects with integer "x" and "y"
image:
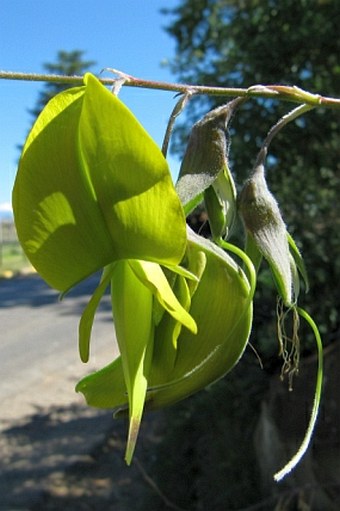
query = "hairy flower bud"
{"x": 263, "y": 221}
{"x": 207, "y": 152}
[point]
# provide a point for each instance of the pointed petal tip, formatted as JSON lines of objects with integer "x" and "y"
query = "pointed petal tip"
{"x": 132, "y": 439}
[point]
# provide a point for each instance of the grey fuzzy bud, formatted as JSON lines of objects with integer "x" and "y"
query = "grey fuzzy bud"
{"x": 263, "y": 221}
{"x": 207, "y": 152}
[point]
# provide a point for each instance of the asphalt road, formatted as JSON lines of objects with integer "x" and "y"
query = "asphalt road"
{"x": 39, "y": 361}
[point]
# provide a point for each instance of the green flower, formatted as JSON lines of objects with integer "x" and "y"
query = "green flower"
{"x": 93, "y": 187}
{"x": 94, "y": 191}
{"x": 183, "y": 363}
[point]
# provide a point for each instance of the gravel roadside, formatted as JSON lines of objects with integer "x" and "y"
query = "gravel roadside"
{"x": 57, "y": 453}
{"x": 72, "y": 459}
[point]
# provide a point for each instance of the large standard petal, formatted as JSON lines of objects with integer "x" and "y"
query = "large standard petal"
{"x": 131, "y": 180}
{"x": 93, "y": 187}
{"x": 58, "y": 221}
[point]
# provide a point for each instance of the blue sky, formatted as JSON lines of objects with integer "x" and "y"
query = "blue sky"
{"x": 124, "y": 34}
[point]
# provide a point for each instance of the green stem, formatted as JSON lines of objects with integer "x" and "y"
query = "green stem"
{"x": 289, "y": 117}
{"x": 279, "y": 92}
{"x": 316, "y": 404}
{"x": 179, "y": 107}
{"x": 250, "y": 269}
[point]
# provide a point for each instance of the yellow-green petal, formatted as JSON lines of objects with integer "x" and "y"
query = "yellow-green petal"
{"x": 222, "y": 309}
{"x": 132, "y": 312}
{"x": 151, "y": 274}
{"x": 131, "y": 180}
{"x": 87, "y": 317}
{"x": 93, "y": 187}
{"x": 57, "y": 218}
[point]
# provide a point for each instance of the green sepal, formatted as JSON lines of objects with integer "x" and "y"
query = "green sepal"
{"x": 216, "y": 216}
{"x": 192, "y": 204}
{"x": 264, "y": 223}
{"x": 298, "y": 261}
{"x": 220, "y": 202}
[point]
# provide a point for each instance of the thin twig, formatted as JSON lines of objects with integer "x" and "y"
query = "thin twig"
{"x": 289, "y": 117}
{"x": 279, "y": 92}
{"x": 180, "y": 105}
{"x": 155, "y": 487}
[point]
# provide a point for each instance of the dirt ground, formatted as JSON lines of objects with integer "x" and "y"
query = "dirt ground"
{"x": 204, "y": 454}
{"x": 41, "y": 473}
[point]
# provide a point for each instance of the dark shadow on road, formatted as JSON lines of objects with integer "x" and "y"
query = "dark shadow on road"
{"x": 72, "y": 458}
{"x": 35, "y": 452}
{"x": 32, "y": 291}
{"x": 28, "y": 290}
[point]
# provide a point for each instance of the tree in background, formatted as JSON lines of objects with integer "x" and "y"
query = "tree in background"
{"x": 67, "y": 63}
{"x": 239, "y": 44}
{"x": 242, "y": 43}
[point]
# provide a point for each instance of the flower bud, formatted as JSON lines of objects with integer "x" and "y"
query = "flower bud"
{"x": 263, "y": 221}
{"x": 206, "y": 154}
